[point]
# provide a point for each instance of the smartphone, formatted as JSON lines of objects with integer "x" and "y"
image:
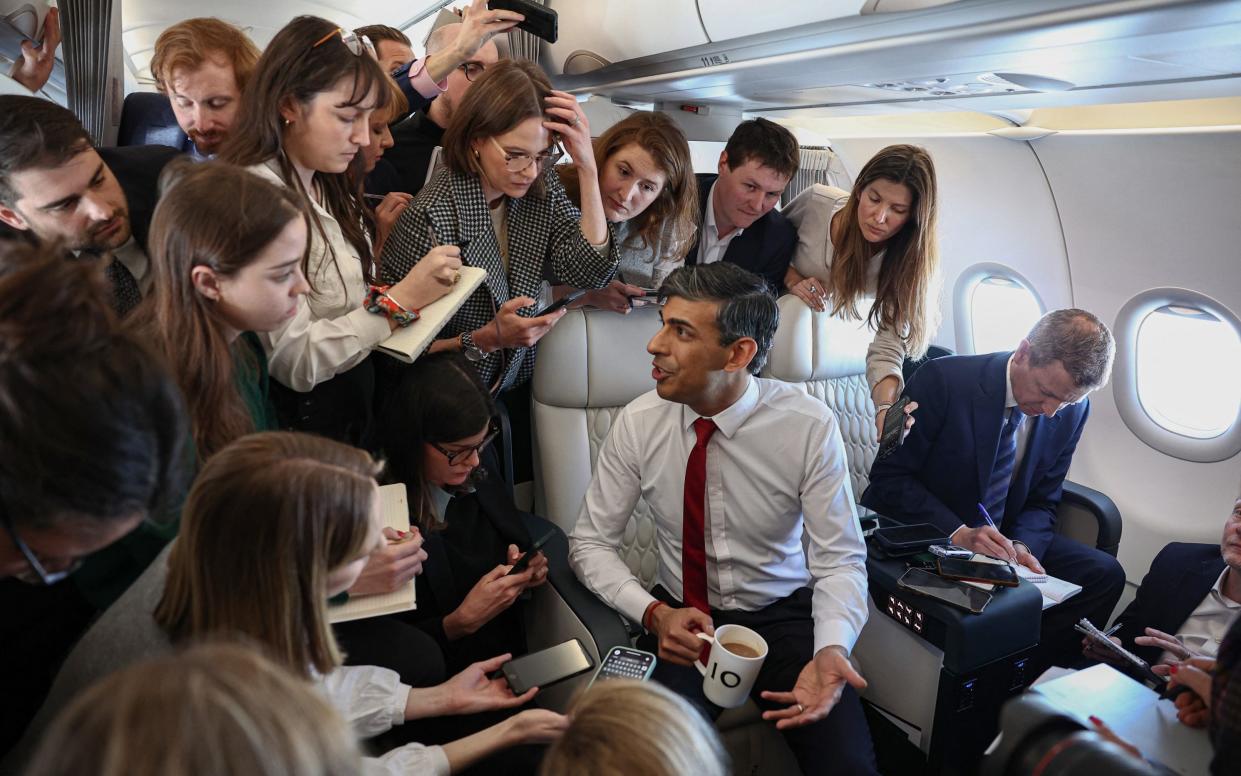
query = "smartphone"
{"x": 547, "y": 666}
{"x": 524, "y": 561}
{"x": 971, "y": 599}
{"x": 974, "y": 571}
{"x": 625, "y": 663}
{"x": 567, "y": 299}
{"x": 540, "y": 22}
{"x": 893, "y": 428}
{"x": 908, "y": 538}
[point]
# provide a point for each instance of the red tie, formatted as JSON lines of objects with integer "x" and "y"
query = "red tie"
{"x": 693, "y": 541}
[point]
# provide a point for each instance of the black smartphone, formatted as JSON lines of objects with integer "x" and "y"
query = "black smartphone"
{"x": 971, "y": 599}
{"x": 625, "y": 663}
{"x": 893, "y": 428}
{"x": 908, "y": 538}
{"x": 976, "y": 571}
{"x": 524, "y": 561}
{"x": 540, "y": 22}
{"x": 567, "y": 299}
{"x": 547, "y": 666}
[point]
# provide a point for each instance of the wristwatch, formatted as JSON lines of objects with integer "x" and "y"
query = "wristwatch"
{"x": 471, "y": 351}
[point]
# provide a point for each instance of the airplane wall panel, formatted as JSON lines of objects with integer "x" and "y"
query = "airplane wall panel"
{"x": 1144, "y": 209}
{"x": 995, "y": 206}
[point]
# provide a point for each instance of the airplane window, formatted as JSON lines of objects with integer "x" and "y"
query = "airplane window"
{"x": 1188, "y": 365}
{"x": 1001, "y": 312}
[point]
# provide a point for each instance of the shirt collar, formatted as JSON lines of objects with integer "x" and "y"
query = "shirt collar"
{"x": 710, "y": 219}
{"x": 730, "y": 419}
{"x": 1218, "y": 591}
{"x": 1009, "y": 401}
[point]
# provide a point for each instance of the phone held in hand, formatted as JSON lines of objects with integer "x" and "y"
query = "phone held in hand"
{"x": 524, "y": 561}
{"x": 547, "y": 666}
{"x": 893, "y": 428}
{"x": 541, "y": 22}
{"x": 625, "y": 663}
{"x": 563, "y": 301}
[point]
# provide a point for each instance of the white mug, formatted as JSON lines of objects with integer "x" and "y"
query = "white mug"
{"x": 727, "y": 678}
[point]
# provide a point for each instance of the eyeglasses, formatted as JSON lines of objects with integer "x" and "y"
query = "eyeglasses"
{"x": 472, "y": 70}
{"x": 458, "y": 456}
{"x": 357, "y": 44}
{"x": 520, "y": 161}
{"x": 41, "y": 574}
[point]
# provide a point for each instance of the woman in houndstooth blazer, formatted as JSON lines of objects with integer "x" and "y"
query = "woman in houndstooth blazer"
{"x": 499, "y": 199}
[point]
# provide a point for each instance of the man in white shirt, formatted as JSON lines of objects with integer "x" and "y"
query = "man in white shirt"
{"x": 735, "y": 469}
{"x": 1187, "y": 600}
{"x": 56, "y": 187}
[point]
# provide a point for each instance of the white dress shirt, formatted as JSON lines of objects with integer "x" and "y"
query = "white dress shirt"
{"x": 331, "y": 332}
{"x": 712, "y": 247}
{"x": 1204, "y": 629}
{"x": 775, "y": 466}
{"x": 372, "y": 700}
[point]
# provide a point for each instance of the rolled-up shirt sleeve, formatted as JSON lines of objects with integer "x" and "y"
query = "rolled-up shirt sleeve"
{"x": 598, "y": 535}
{"x": 836, "y": 553}
{"x": 371, "y": 699}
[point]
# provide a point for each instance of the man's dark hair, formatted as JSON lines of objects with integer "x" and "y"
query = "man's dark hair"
{"x": 378, "y": 32}
{"x": 35, "y": 133}
{"x": 92, "y": 427}
{"x": 747, "y": 308}
{"x": 765, "y": 141}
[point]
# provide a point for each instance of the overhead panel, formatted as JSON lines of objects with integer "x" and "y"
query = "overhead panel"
{"x": 728, "y": 19}
{"x": 618, "y": 31}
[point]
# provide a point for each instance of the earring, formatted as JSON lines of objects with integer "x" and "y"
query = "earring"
{"x": 476, "y": 156}
{"x": 287, "y": 122}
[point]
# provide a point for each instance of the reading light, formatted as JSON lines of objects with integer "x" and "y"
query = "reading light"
{"x": 1036, "y": 83}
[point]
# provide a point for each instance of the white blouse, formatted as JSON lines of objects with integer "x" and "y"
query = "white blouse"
{"x": 811, "y": 212}
{"x": 372, "y": 700}
{"x": 331, "y": 332}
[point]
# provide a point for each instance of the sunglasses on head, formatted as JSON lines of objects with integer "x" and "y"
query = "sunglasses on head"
{"x": 357, "y": 44}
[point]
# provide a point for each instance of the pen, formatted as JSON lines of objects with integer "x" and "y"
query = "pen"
{"x": 986, "y": 516}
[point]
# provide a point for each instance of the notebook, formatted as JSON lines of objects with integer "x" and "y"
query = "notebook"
{"x": 394, "y": 506}
{"x": 1053, "y": 589}
{"x": 408, "y": 343}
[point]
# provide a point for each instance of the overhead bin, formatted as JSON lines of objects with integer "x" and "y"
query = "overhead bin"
{"x": 727, "y": 19}
{"x": 594, "y": 34}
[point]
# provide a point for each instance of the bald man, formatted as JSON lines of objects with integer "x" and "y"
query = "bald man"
{"x": 417, "y": 137}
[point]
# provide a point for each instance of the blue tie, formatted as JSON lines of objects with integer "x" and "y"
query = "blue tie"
{"x": 1002, "y": 472}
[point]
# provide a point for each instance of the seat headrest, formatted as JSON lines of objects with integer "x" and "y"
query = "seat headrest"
{"x": 816, "y": 346}
{"x": 147, "y": 119}
{"x": 596, "y": 358}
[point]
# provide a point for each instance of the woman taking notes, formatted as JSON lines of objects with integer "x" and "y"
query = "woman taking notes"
{"x": 875, "y": 245}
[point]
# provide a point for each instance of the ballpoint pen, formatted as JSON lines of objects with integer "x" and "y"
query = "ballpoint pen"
{"x": 986, "y": 516}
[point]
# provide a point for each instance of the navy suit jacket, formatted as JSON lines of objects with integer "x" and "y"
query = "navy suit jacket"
{"x": 939, "y": 474}
{"x": 764, "y": 248}
{"x": 1179, "y": 579}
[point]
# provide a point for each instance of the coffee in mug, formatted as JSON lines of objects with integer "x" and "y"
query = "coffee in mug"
{"x": 736, "y": 655}
{"x": 743, "y": 650}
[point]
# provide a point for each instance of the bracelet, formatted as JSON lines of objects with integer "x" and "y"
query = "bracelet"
{"x": 378, "y": 302}
{"x": 646, "y": 616}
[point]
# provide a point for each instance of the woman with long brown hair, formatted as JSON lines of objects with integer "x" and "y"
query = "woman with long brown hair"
{"x": 650, "y": 196}
{"x": 499, "y": 197}
{"x": 877, "y": 243}
{"x": 268, "y": 580}
{"x": 304, "y": 117}
{"x": 226, "y": 255}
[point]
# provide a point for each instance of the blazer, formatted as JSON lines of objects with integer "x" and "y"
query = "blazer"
{"x": 1180, "y": 577}
{"x": 545, "y": 241}
{"x": 939, "y": 474}
{"x": 478, "y": 528}
{"x": 415, "y": 139}
{"x": 764, "y": 248}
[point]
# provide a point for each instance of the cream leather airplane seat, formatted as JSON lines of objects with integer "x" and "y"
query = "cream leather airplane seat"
{"x": 589, "y": 367}
{"x": 827, "y": 356}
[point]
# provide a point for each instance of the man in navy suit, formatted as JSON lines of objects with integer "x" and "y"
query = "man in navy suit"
{"x": 1186, "y": 601}
{"x": 737, "y": 220}
{"x": 996, "y": 433}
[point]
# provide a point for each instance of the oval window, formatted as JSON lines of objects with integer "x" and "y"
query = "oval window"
{"x": 1002, "y": 311}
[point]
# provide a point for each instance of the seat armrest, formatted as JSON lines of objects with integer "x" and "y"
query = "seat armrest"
{"x": 606, "y": 626}
{"x": 1101, "y": 507}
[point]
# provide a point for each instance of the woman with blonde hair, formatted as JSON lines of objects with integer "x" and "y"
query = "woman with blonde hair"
{"x": 215, "y": 708}
{"x": 875, "y": 245}
{"x": 626, "y": 728}
{"x": 275, "y": 525}
{"x": 650, "y": 196}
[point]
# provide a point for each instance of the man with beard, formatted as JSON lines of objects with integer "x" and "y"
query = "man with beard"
{"x": 56, "y": 187}
{"x": 203, "y": 65}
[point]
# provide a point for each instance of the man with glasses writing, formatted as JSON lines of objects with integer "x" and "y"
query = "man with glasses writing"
{"x": 418, "y": 137}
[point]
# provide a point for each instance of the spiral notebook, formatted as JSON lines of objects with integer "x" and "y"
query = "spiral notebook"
{"x": 394, "y": 506}
{"x": 408, "y": 343}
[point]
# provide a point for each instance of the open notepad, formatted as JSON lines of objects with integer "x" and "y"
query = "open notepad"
{"x": 394, "y": 506}
{"x": 1054, "y": 589}
{"x": 408, "y": 343}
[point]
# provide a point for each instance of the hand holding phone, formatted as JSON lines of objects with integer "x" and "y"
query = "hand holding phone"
{"x": 524, "y": 561}
{"x": 540, "y": 21}
{"x": 893, "y": 428}
{"x": 547, "y": 666}
{"x": 563, "y": 301}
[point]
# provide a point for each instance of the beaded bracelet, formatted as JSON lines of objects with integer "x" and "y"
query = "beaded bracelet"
{"x": 378, "y": 302}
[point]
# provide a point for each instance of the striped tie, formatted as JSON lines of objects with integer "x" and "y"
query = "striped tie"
{"x": 1002, "y": 472}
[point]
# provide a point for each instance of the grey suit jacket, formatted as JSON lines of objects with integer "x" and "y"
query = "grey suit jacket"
{"x": 545, "y": 242}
